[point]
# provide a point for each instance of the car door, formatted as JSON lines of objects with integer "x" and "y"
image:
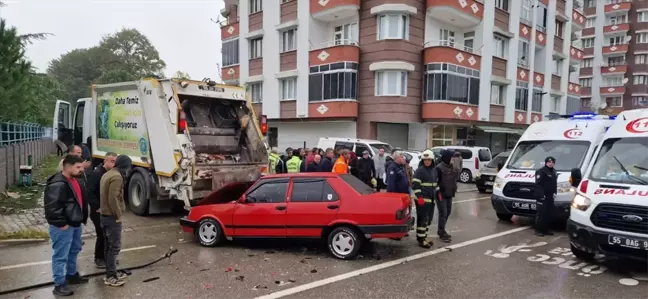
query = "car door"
{"x": 313, "y": 205}
{"x": 263, "y": 213}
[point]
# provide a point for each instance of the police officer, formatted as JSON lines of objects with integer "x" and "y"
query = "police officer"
{"x": 273, "y": 159}
{"x": 293, "y": 164}
{"x": 547, "y": 183}
{"x": 424, "y": 184}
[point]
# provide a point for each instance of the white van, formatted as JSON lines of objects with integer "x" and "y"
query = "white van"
{"x": 571, "y": 140}
{"x": 609, "y": 213}
{"x": 355, "y": 145}
{"x": 474, "y": 158}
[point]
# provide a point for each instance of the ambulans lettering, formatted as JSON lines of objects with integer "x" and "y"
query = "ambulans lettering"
{"x": 608, "y": 191}
{"x": 573, "y": 133}
{"x": 520, "y": 175}
{"x": 639, "y": 125}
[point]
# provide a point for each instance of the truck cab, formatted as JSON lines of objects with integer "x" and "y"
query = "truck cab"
{"x": 570, "y": 139}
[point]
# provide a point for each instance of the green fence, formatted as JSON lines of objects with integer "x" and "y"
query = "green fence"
{"x": 19, "y": 132}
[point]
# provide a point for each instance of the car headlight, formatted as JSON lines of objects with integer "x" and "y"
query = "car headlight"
{"x": 478, "y": 174}
{"x": 565, "y": 187}
{"x": 581, "y": 202}
{"x": 499, "y": 183}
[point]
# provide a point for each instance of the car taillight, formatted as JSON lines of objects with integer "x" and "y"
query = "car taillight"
{"x": 182, "y": 122}
{"x": 583, "y": 186}
{"x": 264, "y": 125}
{"x": 476, "y": 163}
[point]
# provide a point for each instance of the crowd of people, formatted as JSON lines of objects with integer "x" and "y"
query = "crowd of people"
{"x": 75, "y": 193}
{"x": 433, "y": 183}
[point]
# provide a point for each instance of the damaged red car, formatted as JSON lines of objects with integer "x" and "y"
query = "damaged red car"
{"x": 339, "y": 209}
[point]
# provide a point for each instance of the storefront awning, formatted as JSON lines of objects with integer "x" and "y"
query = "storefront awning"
{"x": 503, "y": 130}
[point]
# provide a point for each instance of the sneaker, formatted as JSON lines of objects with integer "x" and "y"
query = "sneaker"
{"x": 425, "y": 244}
{"x": 76, "y": 279}
{"x": 62, "y": 290}
{"x": 100, "y": 264}
{"x": 121, "y": 275}
{"x": 445, "y": 238}
{"x": 113, "y": 281}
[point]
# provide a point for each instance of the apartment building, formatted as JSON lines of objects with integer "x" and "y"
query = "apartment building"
{"x": 614, "y": 71}
{"x": 414, "y": 73}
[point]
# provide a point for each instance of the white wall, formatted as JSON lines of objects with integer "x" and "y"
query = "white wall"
{"x": 486, "y": 35}
{"x": 511, "y": 66}
{"x": 303, "y": 50}
{"x": 293, "y": 134}
{"x": 417, "y": 136}
{"x": 319, "y": 33}
{"x": 244, "y": 44}
{"x": 271, "y": 42}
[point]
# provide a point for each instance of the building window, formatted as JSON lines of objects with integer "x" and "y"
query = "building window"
{"x": 256, "y": 6}
{"x": 500, "y": 44}
{"x": 642, "y": 38}
{"x": 334, "y": 81}
{"x": 523, "y": 53}
{"x": 586, "y": 103}
{"x": 616, "y": 20}
{"x": 346, "y": 34}
{"x": 588, "y": 42}
{"x": 230, "y": 53}
{"x": 536, "y": 100}
{"x": 449, "y": 82}
{"x": 587, "y": 62}
{"x": 469, "y": 41}
{"x": 526, "y": 11}
{"x": 613, "y": 81}
{"x": 585, "y": 82}
{"x": 289, "y": 40}
{"x": 642, "y": 16}
{"x": 590, "y": 3}
{"x": 559, "y": 29}
{"x": 442, "y": 135}
{"x": 557, "y": 67}
{"x": 256, "y": 92}
{"x": 541, "y": 21}
{"x": 446, "y": 37}
{"x": 641, "y": 58}
{"x": 615, "y": 101}
{"x": 393, "y": 26}
{"x": 288, "y": 88}
{"x": 256, "y": 48}
{"x": 618, "y": 40}
{"x": 640, "y": 101}
{"x": 522, "y": 96}
{"x": 391, "y": 83}
{"x": 498, "y": 93}
{"x": 590, "y": 22}
{"x": 554, "y": 104}
{"x": 640, "y": 79}
{"x": 616, "y": 60}
{"x": 502, "y": 4}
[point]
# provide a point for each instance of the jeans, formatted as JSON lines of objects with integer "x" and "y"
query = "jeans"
{"x": 445, "y": 208}
{"x": 112, "y": 233}
{"x": 66, "y": 245}
{"x": 99, "y": 244}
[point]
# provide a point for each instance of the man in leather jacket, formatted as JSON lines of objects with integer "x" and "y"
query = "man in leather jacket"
{"x": 66, "y": 208}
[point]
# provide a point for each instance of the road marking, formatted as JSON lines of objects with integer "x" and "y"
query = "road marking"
{"x": 319, "y": 283}
{"x": 81, "y": 256}
{"x": 472, "y": 199}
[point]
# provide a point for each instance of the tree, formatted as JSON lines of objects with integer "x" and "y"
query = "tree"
{"x": 138, "y": 56}
{"x": 181, "y": 75}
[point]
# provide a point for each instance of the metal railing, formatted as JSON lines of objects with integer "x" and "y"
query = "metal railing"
{"x": 18, "y": 132}
{"x": 333, "y": 43}
{"x": 451, "y": 44}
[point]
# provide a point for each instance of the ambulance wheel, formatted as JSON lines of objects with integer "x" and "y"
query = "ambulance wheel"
{"x": 465, "y": 176}
{"x": 137, "y": 198}
{"x": 581, "y": 254}
{"x": 504, "y": 217}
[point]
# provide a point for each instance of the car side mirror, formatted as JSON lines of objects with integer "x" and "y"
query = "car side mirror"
{"x": 576, "y": 177}
{"x": 242, "y": 199}
{"x": 500, "y": 165}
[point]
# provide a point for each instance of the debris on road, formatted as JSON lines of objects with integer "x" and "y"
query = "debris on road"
{"x": 258, "y": 286}
{"x": 151, "y": 279}
{"x": 283, "y": 283}
{"x": 203, "y": 270}
{"x": 240, "y": 278}
{"x": 207, "y": 286}
{"x": 228, "y": 269}
{"x": 314, "y": 271}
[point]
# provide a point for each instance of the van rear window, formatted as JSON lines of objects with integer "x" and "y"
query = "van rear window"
{"x": 484, "y": 155}
{"x": 357, "y": 184}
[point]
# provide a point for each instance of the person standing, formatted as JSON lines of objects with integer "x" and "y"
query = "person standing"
{"x": 366, "y": 168}
{"x": 94, "y": 194}
{"x": 281, "y": 164}
{"x": 424, "y": 185}
{"x": 65, "y": 211}
{"x": 447, "y": 177}
{"x": 396, "y": 176}
{"x": 293, "y": 165}
{"x": 314, "y": 166}
{"x": 379, "y": 163}
{"x": 273, "y": 160}
{"x": 457, "y": 162}
{"x": 326, "y": 164}
{"x": 112, "y": 210}
{"x": 353, "y": 164}
{"x": 546, "y": 180}
{"x": 341, "y": 166}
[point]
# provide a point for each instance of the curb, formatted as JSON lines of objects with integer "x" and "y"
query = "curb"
{"x": 11, "y": 242}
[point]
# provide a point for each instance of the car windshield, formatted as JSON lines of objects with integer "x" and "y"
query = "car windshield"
{"x": 501, "y": 158}
{"x": 530, "y": 155}
{"x": 357, "y": 184}
{"x": 618, "y": 155}
{"x": 377, "y": 146}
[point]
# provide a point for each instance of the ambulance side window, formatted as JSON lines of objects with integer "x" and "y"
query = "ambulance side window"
{"x": 593, "y": 153}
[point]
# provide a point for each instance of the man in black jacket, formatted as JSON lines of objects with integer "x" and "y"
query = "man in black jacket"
{"x": 547, "y": 184}
{"x": 66, "y": 208}
{"x": 94, "y": 178}
{"x": 326, "y": 165}
{"x": 447, "y": 176}
{"x": 366, "y": 168}
{"x": 314, "y": 166}
{"x": 281, "y": 165}
{"x": 425, "y": 184}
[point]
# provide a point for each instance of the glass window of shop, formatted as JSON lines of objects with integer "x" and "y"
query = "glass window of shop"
{"x": 442, "y": 135}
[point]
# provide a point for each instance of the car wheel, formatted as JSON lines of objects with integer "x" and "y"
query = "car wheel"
{"x": 504, "y": 217}
{"x": 481, "y": 190}
{"x": 209, "y": 232}
{"x": 465, "y": 176}
{"x": 137, "y": 199}
{"x": 344, "y": 242}
{"x": 581, "y": 254}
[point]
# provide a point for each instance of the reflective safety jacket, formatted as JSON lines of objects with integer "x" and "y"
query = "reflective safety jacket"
{"x": 293, "y": 164}
{"x": 341, "y": 166}
{"x": 425, "y": 182}
{"x": 273, "y": 159}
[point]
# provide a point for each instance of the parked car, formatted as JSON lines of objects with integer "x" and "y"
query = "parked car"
{"x": 486, "y": 175}
{"x": 339, "y": 209}
{"x": 414, "y": 157}
{"x": 474, "y": 157}
{"x": 355, "y": 145}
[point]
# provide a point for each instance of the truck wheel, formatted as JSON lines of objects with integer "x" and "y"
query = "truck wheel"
{"x": 344, "y": 242}
{"x": 504, "y": 217}
{"x": 137, "y": 199}
{"x": 581, "y": 254}
{"x": 209, "y": 232}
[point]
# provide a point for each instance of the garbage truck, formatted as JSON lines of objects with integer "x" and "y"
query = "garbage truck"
{"x": 186, "y": 138}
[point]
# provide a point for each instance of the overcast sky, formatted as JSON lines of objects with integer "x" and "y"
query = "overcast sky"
{"x": 181, "y": 30}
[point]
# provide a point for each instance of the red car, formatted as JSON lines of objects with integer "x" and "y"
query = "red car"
{"x": 339, "y": 209}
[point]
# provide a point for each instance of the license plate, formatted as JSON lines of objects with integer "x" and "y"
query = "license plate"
{"x": 628, "y": 242}
{"x": 488, "y": 183}
{"x": 524, "y": 206}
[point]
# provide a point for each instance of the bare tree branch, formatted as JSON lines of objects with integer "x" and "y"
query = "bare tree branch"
{"x": 31, "y": 37}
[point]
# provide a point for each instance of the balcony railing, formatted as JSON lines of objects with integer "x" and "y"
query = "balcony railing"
{"x": 334, "y": 43}
{"x": 226, "y": 22}
{"x": 451, "y": 44}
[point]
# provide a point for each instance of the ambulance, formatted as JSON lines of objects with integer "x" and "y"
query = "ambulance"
{"x": 609, "y": 213}
{"x": 570, "y": 139}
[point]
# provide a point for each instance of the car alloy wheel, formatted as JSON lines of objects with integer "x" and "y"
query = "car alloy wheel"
{"x": 209, "y": 232}
{"x": 343, "y": 243}
{"x": 464, "y": 177}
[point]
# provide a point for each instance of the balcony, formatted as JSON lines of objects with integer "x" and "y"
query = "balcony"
{"x": 612, "y": 90}
{"x": 450, "y": 52}
{"x": 574, "y": 89}
{"x": 344, "y": 109}
{"x": 230, "y": 73}
{"x": 617, "y": 28}
{"x": 540, "y": 38}
{"x": 459, "y": 13}
{"x": 560, "y": 10}
{"x": 618, "y": 8}
{"x": 331, "y": 10}
{"x": 229, "y": 30}
{"x": 558, "y": 44}
{"x": 334, "y": 51}
{"x": 432, "y": 110}
{"x": 578, "y": 20}
{"x": 538, "y": 79}
{"x": 576, "y": 55}
{"x": 555, "y": 82}
{"x": 614, "y": 70}
{"x": 615, "y": 49}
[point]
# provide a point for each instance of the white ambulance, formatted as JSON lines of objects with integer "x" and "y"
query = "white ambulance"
{"x": 609, "y": 213}
{"x": 570, "y": 139}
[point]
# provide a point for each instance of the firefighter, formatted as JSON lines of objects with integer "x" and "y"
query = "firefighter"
{"x": 294, "y": 164}
{"x": 273, "y": 158}
{"x": 547, "y": 182}
{"x": 425, "y": 184}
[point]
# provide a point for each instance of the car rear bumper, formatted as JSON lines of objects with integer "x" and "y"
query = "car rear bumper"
{"x": 592, "y": 240}
{"x": 387, "y": 230}
{"x": 187, "y": 225}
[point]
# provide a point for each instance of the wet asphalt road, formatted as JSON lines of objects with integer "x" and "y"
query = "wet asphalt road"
{"x": 487, "y": 259}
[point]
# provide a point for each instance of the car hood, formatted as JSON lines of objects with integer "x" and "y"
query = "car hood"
{"x": 226, "y": 194}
